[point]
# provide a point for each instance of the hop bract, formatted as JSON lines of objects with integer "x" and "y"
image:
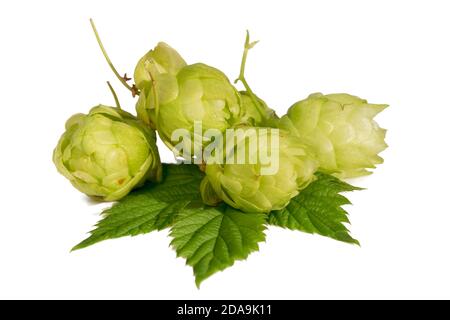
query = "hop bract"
{"x": 341, "y": 130}
{"x": 163, "y": 61}
{"x": 256, "y": 111}
{"x": 107, "y": 153}
{"x": 245, "y": 186}
{"x": 157, "y": 70}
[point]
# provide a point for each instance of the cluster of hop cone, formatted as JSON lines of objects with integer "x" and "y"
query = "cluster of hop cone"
{"x": 109, "y": 152}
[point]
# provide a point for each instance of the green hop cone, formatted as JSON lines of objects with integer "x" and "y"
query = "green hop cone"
{"x": 256, "y": 111}
{"x": 246, "y": 186}
{"x": 157, "y": 69}
{"x": 107, "y": 153}
{"x": 198, "y": 93}
{"x": 162, "y": 61}
{"x": 341, "y": 131}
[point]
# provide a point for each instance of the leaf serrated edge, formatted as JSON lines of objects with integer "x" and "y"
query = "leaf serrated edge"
{"x": 261, "y": 238}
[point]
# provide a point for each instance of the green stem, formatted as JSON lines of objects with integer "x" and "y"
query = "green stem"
{"x": 105, "y": 54}
{"x": 241, "y": 78}
{"x": 116, "y": 99}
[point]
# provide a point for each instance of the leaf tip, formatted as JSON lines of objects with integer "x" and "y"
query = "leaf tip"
{"x": 83, "y": 244}
{"x": 199, "y": 280}
{"x": 76, "y": 248}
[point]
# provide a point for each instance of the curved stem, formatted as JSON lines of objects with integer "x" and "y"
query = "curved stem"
{"x": 105, "y": 54}
{"x": 247, "y": 46}
{"x": 116, "y": 99}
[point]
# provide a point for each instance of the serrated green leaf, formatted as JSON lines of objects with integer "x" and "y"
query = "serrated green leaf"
{"x": 318, "y": 209}
{"x": 212, "y": 238}
{"x": 152, "y": 207}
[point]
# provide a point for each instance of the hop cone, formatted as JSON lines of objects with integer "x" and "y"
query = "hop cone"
{"x": 341, "y": 131}
{"x": 245, "y": 186}
{"x": 189, "y": 94}
{"x": 107, "y": 153}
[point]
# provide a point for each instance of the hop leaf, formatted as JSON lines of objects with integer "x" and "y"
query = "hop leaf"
{"x": 153, "y": 207}
{"x": 212, "y": 238}
{"x": 318, "y": 209}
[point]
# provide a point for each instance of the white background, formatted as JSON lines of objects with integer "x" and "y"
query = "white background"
{"x": 395, "y": 52}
